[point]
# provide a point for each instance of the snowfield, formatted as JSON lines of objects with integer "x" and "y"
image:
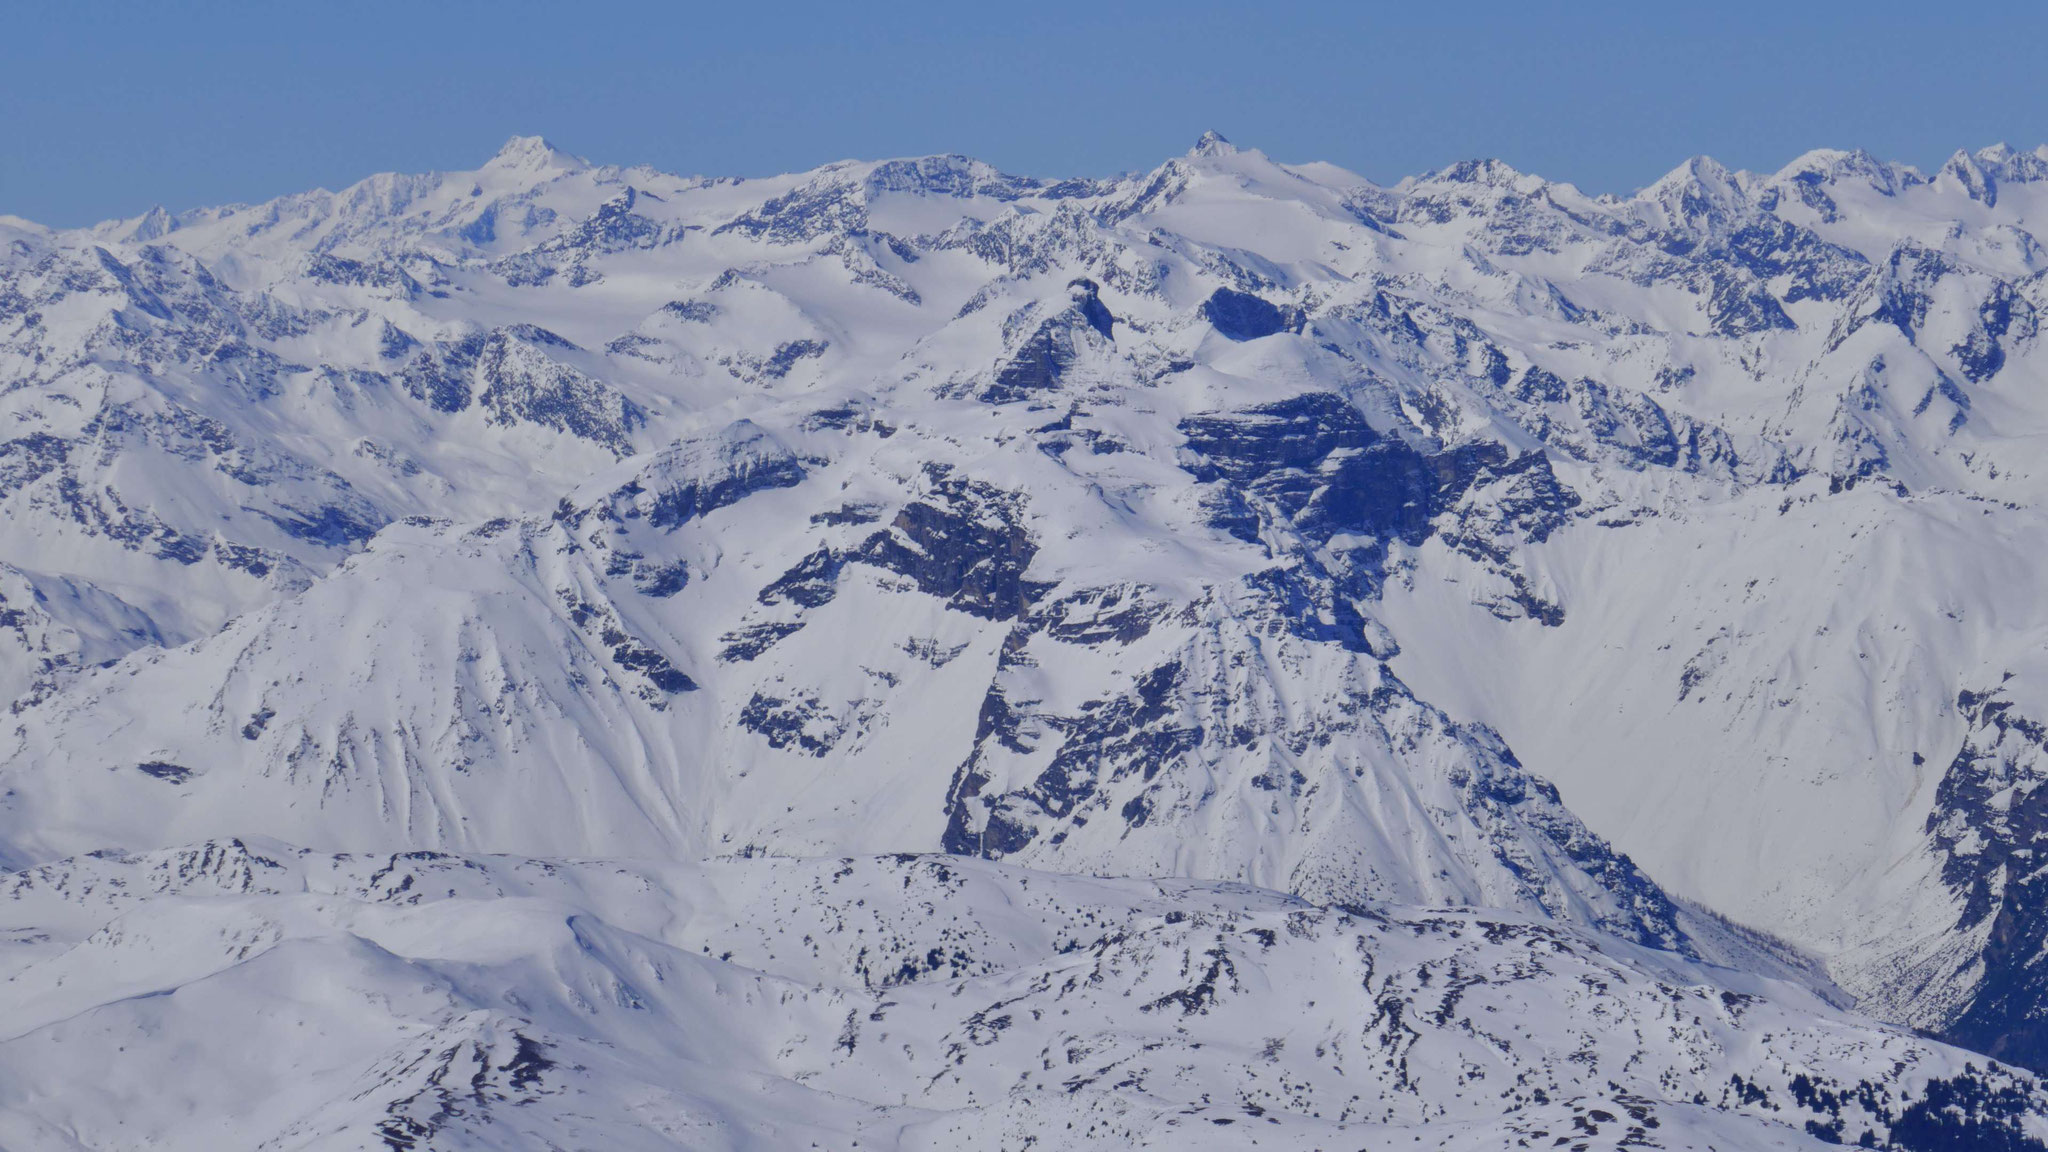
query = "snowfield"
{"x": 305, "y": 1000}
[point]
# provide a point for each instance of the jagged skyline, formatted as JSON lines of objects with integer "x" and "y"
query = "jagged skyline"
{"x": 106, "y": 111}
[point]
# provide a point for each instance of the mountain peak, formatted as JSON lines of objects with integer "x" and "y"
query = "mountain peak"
{"x": 1497, "y": 173}
{"x": 153, "y": 225}
{"x": 1213, "y": 143}
{"x": 1703, "y": 169}
{"x": 22, "y": 224}
{"x": 1701, "y": 192}
{"x": 2003, "y": 161}
{"x": 534, "y": 154}
{"x": 1835, "y": 166}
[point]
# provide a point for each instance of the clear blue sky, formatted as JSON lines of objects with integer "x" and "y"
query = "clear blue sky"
{"x": 108, "y": 108}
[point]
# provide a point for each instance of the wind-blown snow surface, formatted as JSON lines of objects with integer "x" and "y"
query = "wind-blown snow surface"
{"x": 1229, "y": 523}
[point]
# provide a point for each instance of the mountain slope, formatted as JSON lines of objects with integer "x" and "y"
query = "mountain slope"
{"x": 436, "y": 1001}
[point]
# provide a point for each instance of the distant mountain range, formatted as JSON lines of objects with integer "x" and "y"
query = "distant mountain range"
{"x": 560, "y": 656}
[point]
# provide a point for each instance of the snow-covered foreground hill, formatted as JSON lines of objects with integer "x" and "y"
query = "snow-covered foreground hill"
{"x": 1641, "y": 568}
{"x": 265, "y": 997}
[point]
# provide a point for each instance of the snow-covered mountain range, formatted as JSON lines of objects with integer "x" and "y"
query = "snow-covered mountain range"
{"x": 1585, "y": 644}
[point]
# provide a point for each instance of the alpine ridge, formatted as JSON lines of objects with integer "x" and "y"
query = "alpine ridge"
{"x": 564, "y": 655}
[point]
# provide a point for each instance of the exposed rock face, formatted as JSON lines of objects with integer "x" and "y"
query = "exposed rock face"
{"x": 694, "y": 478}
{"x": 1988, "y": 826}
{"x": 1041, "y": 362}
{"x": 1243, "y": 316}
{"x": 1313, "y": 468}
